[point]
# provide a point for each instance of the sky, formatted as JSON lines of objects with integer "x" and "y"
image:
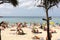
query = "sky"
{"x": 27, "y": 8}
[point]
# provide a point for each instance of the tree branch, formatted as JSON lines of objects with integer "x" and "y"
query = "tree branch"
{"x": 1, "y": 2}
{"x": 51, "y": 6}
{"x": 40, "y": 6}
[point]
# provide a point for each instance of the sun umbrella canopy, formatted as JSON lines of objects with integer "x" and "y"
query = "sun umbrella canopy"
{"x": 52, "y": 23}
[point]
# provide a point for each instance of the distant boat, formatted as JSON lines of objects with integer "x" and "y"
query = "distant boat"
{"x": 1, "y": 16}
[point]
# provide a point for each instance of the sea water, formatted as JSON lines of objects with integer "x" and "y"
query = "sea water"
{"x": 27, "y": 19}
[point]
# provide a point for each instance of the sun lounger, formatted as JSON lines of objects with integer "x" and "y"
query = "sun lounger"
{"x": 37, "y": 32}
{"x": 35, "y": 37}
{"x": 12, "y": 30}
{"x": 20, "y": 32}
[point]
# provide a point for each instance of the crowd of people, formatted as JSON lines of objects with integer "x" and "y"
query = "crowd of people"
{"x": 20, "y": 31}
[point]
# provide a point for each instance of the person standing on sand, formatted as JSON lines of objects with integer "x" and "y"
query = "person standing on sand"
{"x": 41, "y": 26}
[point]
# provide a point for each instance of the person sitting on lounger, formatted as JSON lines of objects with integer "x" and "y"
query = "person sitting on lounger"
{"x": 19, "y": 30}
{"x": 24, "y": 25}
{"x": 35, "y": 30}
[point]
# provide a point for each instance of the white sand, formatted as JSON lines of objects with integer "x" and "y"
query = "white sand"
{"x": 11, "y": 35}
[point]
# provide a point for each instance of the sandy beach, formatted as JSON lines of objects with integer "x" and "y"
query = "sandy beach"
{"x": 7, "y": 34}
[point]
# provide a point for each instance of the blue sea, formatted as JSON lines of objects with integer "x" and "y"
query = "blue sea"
{"x": 28, "y": 19}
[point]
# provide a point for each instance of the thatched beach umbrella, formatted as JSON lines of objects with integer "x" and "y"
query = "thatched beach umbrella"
{"x": 13, "y": 2}
{"x": 47, "y": 4}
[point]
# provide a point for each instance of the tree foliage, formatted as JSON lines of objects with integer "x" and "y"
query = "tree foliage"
{"x": 13, "y": 2}
{"x": 50, "y": 3}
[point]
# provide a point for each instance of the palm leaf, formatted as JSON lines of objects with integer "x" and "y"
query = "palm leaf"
{"x": 13, "y": 2}
{"x": 51, "y": 3}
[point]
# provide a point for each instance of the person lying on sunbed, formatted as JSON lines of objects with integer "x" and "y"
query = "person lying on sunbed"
{"x": 36, "y": 37}
{"x": 52, "y": 31}
{"x": 35, "y": 30}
